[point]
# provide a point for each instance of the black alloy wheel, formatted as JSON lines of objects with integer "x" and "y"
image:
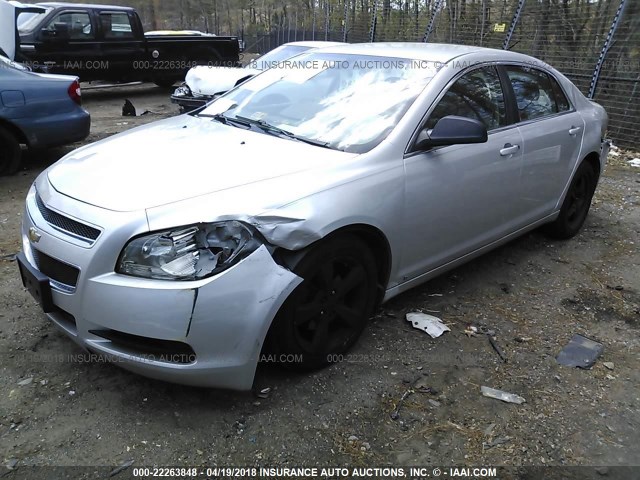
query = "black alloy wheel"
{"x": 327, "y": 312}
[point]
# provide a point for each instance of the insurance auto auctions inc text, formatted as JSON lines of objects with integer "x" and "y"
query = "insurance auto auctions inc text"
{"x": 353, "y": 472}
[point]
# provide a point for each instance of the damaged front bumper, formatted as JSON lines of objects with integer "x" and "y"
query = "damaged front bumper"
{"x": 184, "y": 97}
{"x": 204, "y": 333}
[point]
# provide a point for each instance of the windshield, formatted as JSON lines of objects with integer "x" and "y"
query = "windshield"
{"x": 277, "y": 55}
{"x": 27, "y": 21}
{"x": 345, "y": 102}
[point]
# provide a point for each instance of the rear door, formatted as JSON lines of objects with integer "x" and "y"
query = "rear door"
{"x": 552, "y": 132}
{"x": 121, "y": 45}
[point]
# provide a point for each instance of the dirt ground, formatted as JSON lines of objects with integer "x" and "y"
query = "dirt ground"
{"x": 534, "y": 294}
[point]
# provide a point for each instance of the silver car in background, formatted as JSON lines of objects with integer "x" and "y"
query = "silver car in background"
{"x": 277, "y": 218}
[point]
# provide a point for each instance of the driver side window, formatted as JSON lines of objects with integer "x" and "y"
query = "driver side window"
{"x": 477, "y": 95}
{"x": 78, "y": 25}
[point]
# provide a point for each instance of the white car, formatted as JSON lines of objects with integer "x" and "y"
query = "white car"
{"x": 278, "y": 217}
{"x": 9, "y": 12}
{"x": 203, "y": 83}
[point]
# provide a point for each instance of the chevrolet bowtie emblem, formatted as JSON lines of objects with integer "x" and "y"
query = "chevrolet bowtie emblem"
{"x": 34, "y": 235}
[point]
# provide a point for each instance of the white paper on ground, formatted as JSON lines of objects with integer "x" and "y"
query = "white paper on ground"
{"x": 428, "y": 323}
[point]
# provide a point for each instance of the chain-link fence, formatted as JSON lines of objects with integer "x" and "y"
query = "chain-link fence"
{"x": 596, "y": 43}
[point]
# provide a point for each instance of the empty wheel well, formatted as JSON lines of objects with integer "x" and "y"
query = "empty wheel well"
{"x": 593, "y": 159}
{"x": 370, "y": 235}
{"x": 15, "y": 131}
{"x": 381, "y": 250}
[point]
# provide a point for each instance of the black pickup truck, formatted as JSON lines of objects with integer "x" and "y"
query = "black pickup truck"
{"x": 104, "y": 42}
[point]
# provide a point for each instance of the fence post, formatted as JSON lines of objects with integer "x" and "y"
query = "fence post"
{"x": 326, "y": 20}
{"x": 605, "y": 49}
{"x": 344, "y": 21}
{"x": 514, "y": 24}
{"x": 374, "y": 22}
{"x": 432, "y": 21}
{"x": 313, "y": 22}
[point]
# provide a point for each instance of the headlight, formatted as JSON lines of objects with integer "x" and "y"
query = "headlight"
{"x": 183, "y": 91}
{"x": 188, "y": 253}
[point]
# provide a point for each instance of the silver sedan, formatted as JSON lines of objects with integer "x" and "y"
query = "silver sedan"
{"x": 270, "y": 225}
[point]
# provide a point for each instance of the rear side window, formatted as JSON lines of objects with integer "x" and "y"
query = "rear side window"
{"x": 535, "y": 94}
{"x": 116, "y": 25}
{"x": 477, "y": 95}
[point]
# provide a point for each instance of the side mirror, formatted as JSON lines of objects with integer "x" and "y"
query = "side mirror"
{"x": 60, "y": 32}
{"x": 452, "y": 130}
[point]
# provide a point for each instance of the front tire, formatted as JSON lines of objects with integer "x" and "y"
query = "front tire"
{"x": 10, "y": 153}
{"x": 576, "y": 204}
{"x": 327, "y": 312}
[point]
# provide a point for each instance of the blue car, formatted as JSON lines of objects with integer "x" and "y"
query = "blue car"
{"x": 38, "y": 111}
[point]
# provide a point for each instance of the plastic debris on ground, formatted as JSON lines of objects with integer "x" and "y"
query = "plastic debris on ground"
{"x": 395, "y": 414}
{"x": 128, "y": 110}
{"x": 121, "y": 468}
{"x": 428, "y": 323}
{"x": 522, "y": 339}
{"x": 500, "y": 395}
{"x": 581, "y": 352}
{"x": 264, "y": 392}
{"x": 471, "y": 331}
{"x": 634, "y": 163}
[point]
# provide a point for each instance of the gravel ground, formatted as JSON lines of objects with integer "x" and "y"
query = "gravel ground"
{"x": 534, "y": 294}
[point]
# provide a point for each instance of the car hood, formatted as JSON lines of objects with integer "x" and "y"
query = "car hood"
{"x": 177, "y": 159}
{"x": 205, "y": 80}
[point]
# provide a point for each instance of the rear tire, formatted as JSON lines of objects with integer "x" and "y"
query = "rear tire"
{"x": 576, "y": 204}
{"x": 10, "y": 153}
{"x": 325, "y": 315}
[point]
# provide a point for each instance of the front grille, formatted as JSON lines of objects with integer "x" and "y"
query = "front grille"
{"x": 169, "y": 351}
{"x": 65, "y": 223}
{"x": 55, "y": 269}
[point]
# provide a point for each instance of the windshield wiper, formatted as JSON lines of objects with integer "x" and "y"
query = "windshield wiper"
{"x": 267, "y": 127}
{"x": 219, "y": 117}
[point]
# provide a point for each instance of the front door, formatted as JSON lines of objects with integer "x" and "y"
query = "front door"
{"x": 460, "y": 197}
{"x": 67, "y": 44}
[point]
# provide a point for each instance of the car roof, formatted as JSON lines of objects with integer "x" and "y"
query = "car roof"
{"x": 315, "y": 44}
{"x": 434, "y": 52}
{"x": 89, "y": 6}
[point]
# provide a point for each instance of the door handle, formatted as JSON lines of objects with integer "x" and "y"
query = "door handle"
{"x": 574, "y": 130}
{"x": 509, "y": 149}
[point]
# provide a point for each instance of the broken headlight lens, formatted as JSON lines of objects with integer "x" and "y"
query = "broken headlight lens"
{"x": 188, "y": 253}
